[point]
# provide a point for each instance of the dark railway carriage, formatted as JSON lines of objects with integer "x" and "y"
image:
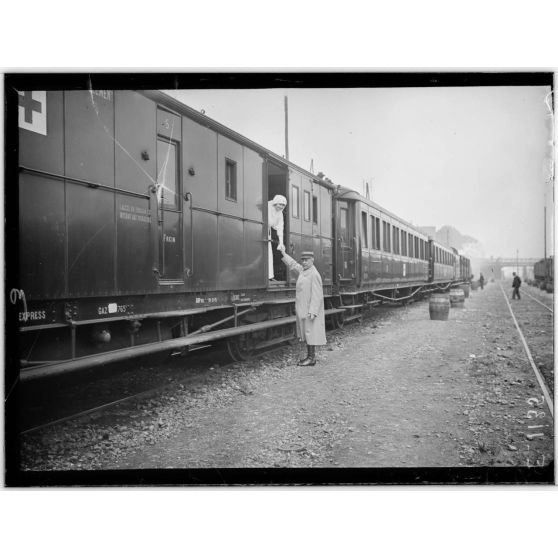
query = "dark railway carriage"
{"x": 376, "y": 250}
{"x": 443, "y": 263}
{"x": 544, "y": 274}
{"x": 143, "y": 221}
{"x": 378, "y": 256}
{"x": 464, "y": 269}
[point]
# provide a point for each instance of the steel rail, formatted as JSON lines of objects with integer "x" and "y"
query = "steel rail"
{"x": 538, "y": 375}
{"x": 538, "y": 301}
{"x": 90, "y": 411}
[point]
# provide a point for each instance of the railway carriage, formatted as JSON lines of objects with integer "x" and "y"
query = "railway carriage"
{"x": 379, "y": 256}
{"x": 443, "y": 264}
{"x": 143, "y": 228}
{"x": 544, "y": 274}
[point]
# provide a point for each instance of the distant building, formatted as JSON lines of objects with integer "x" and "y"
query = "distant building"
{"x": 430, "y": 231}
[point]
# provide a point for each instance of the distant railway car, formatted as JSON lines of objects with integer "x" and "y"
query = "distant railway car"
{"x": 464, "y": 269}
{"x": 443, "y": 263}
{"x": 544, "y": 274}
{"x": 143, "y": 228}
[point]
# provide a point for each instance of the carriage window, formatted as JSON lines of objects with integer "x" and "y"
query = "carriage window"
{"x": 421, "y": 249}
{"x": 167, "y": 171}
{"x": 343, "y": 223}
{"x": 395, "y": 240}
{"x": 384, "y": 235}
{"x": 411, "y": 251}
{"x": 387, "y": 237}
{"x": 306, "y": 205}
{"x": 364, "y": 231}
{"x": 403, "y": 243}
{"x": 295, "y": 201}
{"x": 315, "y": 209}
{"x": 230, "y": 180}
{"x": 375, "y": 233}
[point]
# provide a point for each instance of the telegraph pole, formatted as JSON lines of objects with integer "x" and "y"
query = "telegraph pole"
{"x": 286, "y": 127}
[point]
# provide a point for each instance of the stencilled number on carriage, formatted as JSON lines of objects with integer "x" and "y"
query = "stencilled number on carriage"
{"x": 210, "y": 299}
{"x": 113, "y": 308}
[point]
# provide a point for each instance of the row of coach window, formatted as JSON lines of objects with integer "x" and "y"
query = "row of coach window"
{"x": 443, "y": 257}
{"x": 392, "y": 238}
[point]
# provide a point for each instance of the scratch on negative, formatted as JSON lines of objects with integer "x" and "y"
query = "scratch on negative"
{"x": 86, "y": 245}
{"x": 111, "y": 136}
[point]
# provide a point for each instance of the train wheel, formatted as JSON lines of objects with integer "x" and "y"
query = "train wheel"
{"x": 239, "y": 349}
{"x": 338, "y": 320}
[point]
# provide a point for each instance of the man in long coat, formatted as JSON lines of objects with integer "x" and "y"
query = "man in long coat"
{"x": 310, "y": 317}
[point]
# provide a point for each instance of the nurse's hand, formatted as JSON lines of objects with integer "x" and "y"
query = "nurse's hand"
{"x": 311, "y": 316}
{"x": 281, "y": 248}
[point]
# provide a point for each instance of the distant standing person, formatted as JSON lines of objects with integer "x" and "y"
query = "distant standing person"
{"x": 310, "y": 317}
{"x": 275, "y": 221}
{"x": 481, "y": 281}
{"x": 516, "y": 283}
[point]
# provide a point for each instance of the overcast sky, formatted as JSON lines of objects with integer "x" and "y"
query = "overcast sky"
{"x": 473, "y": 158}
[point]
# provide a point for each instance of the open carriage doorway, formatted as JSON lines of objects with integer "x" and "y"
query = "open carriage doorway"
{"x": 277, "y": 185}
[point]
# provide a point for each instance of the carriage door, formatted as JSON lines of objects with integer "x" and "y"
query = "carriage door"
{"x": 344, "y": 242}
{"x": 169, "y": 135}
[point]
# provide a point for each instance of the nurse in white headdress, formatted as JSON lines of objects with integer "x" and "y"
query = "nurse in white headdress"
{"x": 275, "y": 221}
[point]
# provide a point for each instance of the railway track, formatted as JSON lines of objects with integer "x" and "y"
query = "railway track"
{"x": 48, "y": 402}
{"x": 529, "y": 320}
{"x": 74, "y": 398}
{"x": 128, "y": 414}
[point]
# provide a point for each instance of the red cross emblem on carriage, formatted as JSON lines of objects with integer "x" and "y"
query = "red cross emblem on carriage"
{"x": 32, "y": 111}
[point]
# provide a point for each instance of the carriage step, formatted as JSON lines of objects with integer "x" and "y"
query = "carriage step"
{"x": 350, "y": 306}
{"x": 334, "y": 311}
{"x": 197, "y": 347}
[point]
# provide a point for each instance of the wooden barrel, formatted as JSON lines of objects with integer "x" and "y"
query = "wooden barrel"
{"x": 466, "y": 290}
{"x": 439, "y": 306}
{"x": 457, "y": 297}
{"x": 474, "y": 285}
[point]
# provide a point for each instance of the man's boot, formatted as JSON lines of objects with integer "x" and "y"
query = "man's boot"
{"x": 310, "y": 359}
